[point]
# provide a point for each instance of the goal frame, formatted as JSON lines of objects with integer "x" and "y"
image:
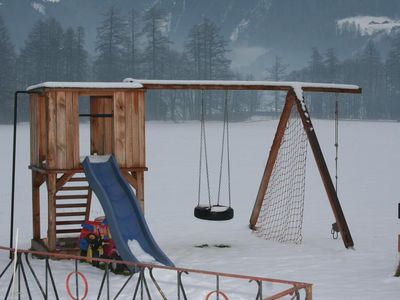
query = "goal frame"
{"x": 293, "y": 100}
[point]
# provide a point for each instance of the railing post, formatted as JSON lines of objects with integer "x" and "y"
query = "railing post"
{"x": 76, "y": 279}
{"x": 217, "y": 287}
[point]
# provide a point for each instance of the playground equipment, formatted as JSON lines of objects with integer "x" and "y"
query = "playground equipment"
{"x": 117, "y": 126}
{"x": 214, "y": 212}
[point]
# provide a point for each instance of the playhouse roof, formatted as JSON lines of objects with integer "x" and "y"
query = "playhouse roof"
{"x": 86, "y": 85}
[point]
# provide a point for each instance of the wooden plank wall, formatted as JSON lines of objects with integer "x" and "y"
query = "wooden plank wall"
{"x": 129, "y": 129}
{"x": 37, "y": 109}
{"x": 62, "y": 130}
{"x": 101, "y": 129}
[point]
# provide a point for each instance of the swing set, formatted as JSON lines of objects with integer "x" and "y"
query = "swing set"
{"x": 117, "y": 126}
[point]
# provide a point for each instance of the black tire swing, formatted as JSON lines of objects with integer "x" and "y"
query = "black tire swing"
{"x": 214, "y": 212}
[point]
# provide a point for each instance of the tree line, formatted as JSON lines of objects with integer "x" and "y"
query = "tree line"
{"x": 136, "y": 44}
{"x": 378, "y": 76}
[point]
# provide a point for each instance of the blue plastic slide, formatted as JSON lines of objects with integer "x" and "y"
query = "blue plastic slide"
{"x": 124, "y": 215}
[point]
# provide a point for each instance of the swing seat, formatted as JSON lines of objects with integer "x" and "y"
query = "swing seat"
{"x": 214, "y": 212}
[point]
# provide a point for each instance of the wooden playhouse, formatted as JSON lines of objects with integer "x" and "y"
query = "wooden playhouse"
{"x": 117, "y": 126}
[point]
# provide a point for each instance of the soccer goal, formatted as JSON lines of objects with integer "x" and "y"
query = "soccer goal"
{"x": 278, "y": 210}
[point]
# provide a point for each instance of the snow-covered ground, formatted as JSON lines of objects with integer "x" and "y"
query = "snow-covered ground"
{"x": 368, "y": 189}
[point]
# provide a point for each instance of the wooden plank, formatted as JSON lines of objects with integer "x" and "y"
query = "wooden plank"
{"x": 135, "y": 131}
{"x": 75, "y": 129}
{"x": 199, "y": 86}
{"x": 324, "y": 172}
{"x": 108, "y": 126}
{"x": 35, "y": 206}
{"x": 74, "y": 188}
{"x": 72, "y": 205}
{"x": 51, "y": 117}
{"x": 33, "y": 113}
{"x": 71, "y": 197}
{"x": 42, "y": 128}
{"x": 142, "y": 137}
{"x": 61, "y": 131}
{"x": 61, "y": 231}
{"x": 96, "y": 126}
{"x": 140, "y": 188}
{"x": 51, "y": 213}
{"x": 69, "y": 130}
{"x": 129, "y": 128}
{"x": 70, "y": 214}
{"x": 273, "y": 154}
{"x": 119, "y": 127}
{"x": 64, "y": 179}
{"x": 132, "y": 181}
{"x": 245, "y": 86}
{"x": 70, "y": 222}
{"x": 88, "y": 204}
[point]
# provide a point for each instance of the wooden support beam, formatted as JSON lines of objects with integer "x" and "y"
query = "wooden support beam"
{"x": 64, "y": 179}
{"x": 51, "y": 203}
{"x": 130, "y": 178}
{"x": 36, "y": 204}
{"x": 273, "y": 154}
{"x": 324, "y": 172}
{"x": 140, "y": 188}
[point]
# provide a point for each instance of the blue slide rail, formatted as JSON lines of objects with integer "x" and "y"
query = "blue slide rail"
{"x": 123, "y": 212}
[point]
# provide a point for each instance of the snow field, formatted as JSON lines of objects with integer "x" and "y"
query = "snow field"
{"x": 368, "y": 180}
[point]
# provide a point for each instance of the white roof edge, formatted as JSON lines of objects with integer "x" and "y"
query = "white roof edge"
{"x": 86, "y": 85}
{"x": 291, "y": 84}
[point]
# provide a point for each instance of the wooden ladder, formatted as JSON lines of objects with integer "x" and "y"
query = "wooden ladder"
{"x": 73, "y": 201}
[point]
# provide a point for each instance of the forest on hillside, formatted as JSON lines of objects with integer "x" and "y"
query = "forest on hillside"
{"x": 136, "y": 44}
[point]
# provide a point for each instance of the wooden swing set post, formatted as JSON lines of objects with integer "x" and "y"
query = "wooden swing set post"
{"x": 273, "y": 154}
{"x": 291, "y": 99}
{"x": 324, "y": 172}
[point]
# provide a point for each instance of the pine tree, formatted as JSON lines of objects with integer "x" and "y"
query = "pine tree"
{"x": 7, "y": 75}
{"x": 277, "y": 72}
{"x": 392, "y": 78}
{"x": 111, "y": 47}
{"x": 133, "y": 63}
{"x": 372, "y": 81}
{"x": 316, "y": 70}
{"x": 41, "y": 57}
{"x": 155, "y": 56}
{"x": 206, "y": 50}
{"x": 157, "y": 48}
{"x": 331, "y": 63}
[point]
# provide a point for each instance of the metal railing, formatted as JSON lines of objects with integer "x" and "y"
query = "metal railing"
{"x": 26, "y": 277}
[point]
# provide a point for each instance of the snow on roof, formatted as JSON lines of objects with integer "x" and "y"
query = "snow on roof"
{"x": 130, "y": 83}
{"x": 86, "y": 85}
{"x": 298, "y": 87}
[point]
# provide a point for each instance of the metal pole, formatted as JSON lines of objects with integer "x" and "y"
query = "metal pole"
{"x": 13, "y": 165}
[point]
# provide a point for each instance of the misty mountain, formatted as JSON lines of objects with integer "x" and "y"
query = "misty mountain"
{"x": 257, "y": 29}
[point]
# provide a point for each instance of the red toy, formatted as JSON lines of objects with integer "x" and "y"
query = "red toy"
{"x": 95, "y": 241}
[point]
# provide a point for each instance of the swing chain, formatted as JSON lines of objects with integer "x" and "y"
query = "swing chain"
{"x": 336, "y": 141}
{"x": 225, "y": 131}
{"x": 203, "y": 142}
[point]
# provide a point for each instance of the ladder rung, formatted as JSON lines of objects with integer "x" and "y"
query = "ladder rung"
{"x": 68, "y": 230}
{"x": 66, "y": 197}
{"x": 72, "y": 205}
{"x": 71, "y": 214}
{"x": 70, "y": 222}
{"x": 74, "y": 188}
{"x": 78, "y": 179}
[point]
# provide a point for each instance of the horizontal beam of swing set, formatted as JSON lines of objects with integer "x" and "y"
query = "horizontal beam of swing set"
{"x": 248, "y": 85}
{"x": 128, "y": 84}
